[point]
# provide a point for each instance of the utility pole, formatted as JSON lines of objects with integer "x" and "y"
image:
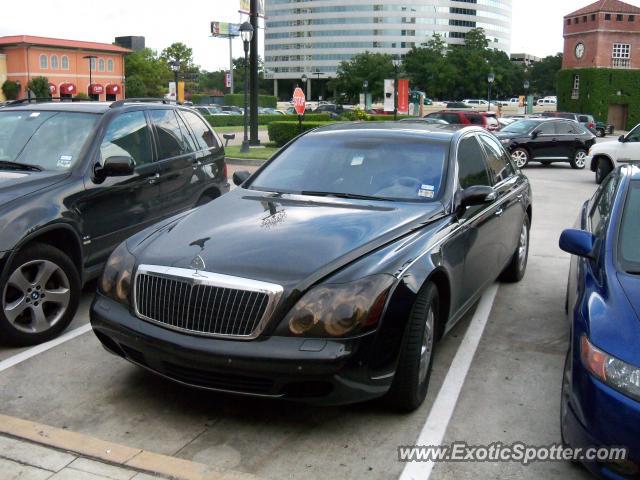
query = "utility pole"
{"x": 231, "y": 64}
{"x": 254, "y": 20}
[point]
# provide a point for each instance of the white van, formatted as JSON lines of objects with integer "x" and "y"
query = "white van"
{"x": 547, "y": 102}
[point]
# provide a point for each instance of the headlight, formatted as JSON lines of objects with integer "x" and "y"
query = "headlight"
{"x": 116, "y": 277}
{"x": 614, "y": 372}
{"x": 338, "y": 310}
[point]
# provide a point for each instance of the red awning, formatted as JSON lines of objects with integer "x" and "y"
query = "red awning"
{"x": 95, "y": 89}
{"x": 113, "y": 89}
{"x": 68, "y": 89}
{"x": 52, "y": 89}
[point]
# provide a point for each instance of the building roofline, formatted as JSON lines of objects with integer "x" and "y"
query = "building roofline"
{"x": 61, "y": 43}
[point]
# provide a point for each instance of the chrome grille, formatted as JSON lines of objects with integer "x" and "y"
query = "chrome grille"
{"x": 203, "y": 303}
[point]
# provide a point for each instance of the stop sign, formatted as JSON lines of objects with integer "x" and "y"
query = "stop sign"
{"x": 299, "y": 101}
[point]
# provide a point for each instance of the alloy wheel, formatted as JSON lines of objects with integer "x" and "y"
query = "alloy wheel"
{"x": 581, "y": 159}
{"x": 523, "y": 246}
{"x": 36, "y": 296}
{"x": 427, "y": 346}
{"x": 520, "y": 158}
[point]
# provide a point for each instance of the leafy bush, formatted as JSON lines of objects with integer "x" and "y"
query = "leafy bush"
{"x": 40, "y": 87}
{"x": 237, "y": 100}
{"x": 238, "y": 120}
{"x": 384, "y": 118}
{"x": 356, "y": 115}
{"x": 282, "y": 133}
{"x": 82, "y": 96}
{"x": 10, "y": 90}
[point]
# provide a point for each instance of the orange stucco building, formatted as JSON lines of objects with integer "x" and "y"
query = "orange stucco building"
{"x": 64, "y": 64}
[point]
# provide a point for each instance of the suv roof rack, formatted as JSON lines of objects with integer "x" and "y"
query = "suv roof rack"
{"x": 23, "y": 101}
{"x": 122, "y": 103}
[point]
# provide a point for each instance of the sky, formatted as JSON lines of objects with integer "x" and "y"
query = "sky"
{"x": 537, "y": 24}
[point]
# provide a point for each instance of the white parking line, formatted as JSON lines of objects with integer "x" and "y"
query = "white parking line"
{"x": 32, "y": 352}
{"x": 442, "y": 410}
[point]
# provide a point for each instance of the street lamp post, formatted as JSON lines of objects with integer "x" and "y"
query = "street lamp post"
{"x": 246, "y": 33}
{"x": 175, "y": 68}
{"x": 526, "y": 86}
{"x": 396, "y": 65}
{"x": 365, "y": 84}
{"x": 491, "y": 78}
{"x": 91, "y": 59}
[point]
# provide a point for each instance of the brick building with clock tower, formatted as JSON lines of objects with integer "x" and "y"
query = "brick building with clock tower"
{"x": 601, "y": 62}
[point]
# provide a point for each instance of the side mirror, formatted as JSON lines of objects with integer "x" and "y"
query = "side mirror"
{"x": 240, "y": 177}
{"x": 120, "y": 166}
{"x": 622, "y": 139}
{"x": 577, "y": 242}
{"x": 477, "y": 195}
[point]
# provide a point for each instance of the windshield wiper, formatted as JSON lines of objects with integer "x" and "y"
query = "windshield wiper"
{"x": 351, "y": 196}
{"x": 19, "y": 166}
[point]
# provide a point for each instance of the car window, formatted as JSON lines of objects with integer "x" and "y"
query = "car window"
{"x": 634, "y": 135}
{"x": 172, "y": 141}
{"x": 583, "y": 119}
{"x": 472, "y": 167}
{"x": 128, "y": 135}
{"x": 358, "y": 163}
{"x": 475, "y": 119}
{"x": 630, "y": 230}
{"x": 601, "y": 206}
{"x": 204, "y": 136}
{"x": 497, "y": 159}
{"x": 566, "y": 128}
{"x": 547, "y": 128}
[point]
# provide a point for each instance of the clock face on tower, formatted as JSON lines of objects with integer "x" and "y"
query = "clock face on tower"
{"x": 579, "y": 50}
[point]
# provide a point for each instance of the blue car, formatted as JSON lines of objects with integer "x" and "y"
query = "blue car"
{"x": 601, "y": 382}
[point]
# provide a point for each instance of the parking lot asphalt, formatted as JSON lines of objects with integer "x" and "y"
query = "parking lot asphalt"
{"x": 511, "y": 392}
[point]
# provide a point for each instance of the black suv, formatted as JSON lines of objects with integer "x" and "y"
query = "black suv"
{"x": 76, "y": 179}
{"x": 547, "y": 141}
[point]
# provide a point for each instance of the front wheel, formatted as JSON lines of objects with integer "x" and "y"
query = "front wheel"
{"x": 520, "y": 157}
{"x": 600, "y": 133}
{"x": 579, "y": 160}
{"x": 40, "y": 296}
{"x": 411, "y": 381}
{"x": 518, "y": 265}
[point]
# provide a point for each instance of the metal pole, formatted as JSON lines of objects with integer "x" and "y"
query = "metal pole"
{"x": 245, "y": 142}
{"x": 231, "y": 64}
{"x": 489, "y": 98}
{"x": 395, "y": 96}
{"x": 255, "y": 140}
{"x": 175, "y": 76}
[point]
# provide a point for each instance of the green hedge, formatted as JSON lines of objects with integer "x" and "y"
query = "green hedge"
{"x": 599, "y": 88}
{"x": 282, "y": 133}
{"x": 237, "y": 100}
{"x": 238, "y": 120}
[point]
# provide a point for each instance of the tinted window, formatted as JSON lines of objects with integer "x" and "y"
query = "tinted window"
{"x": 128, "y": 135}
{"x": 475, "y": 119}
{"x": 472, "y": 169}
{"x": 398, "y": 167}
{"x": 634, "y": 136}
{"x": 452, "y": 118}
{"x": 172, "y": 140}
{"x": 204, "y": 136}
{"x": 521, "y": 126}
{"x": 547, "y": 128}
{"x": 583, "y": 119}
{"x": 497, "y": 159}
{"x": 52, "y": 140}
{"x": 601, "y": 207}
{"x": 630, "y": 231}
{"x": 567, "y": 128}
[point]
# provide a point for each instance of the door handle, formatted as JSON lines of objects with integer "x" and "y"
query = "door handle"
{"x": 154, "y": 179}
{"x": 520, "y": 197}
{"x": 499, "y": 212}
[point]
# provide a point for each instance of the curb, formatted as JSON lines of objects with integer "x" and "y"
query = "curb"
{"x": 113, "y": 453}
{"x": 245, "y": 162}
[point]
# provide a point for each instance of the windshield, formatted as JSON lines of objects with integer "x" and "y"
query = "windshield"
{"x": 630, "y": 231}
{"x": 358, "y": 163}
{"x": 521, "y": 126}
{"x": 50, "y": 140}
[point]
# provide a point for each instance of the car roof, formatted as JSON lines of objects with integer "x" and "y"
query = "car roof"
{"x": 88, "y": 106}
{"x": 632, "y": 171}
{"x": 438, "y": 132}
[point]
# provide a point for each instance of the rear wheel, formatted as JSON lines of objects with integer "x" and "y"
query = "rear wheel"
{"x": 603, "y": 168}
{"x": 579, "y": 160}
{"x": 411, "y": 381}
{"x": 518, "y": 265}
{"x": 521, "y": 157}
{"x": 600, "y": 133}
{"x": 40, "y": 296}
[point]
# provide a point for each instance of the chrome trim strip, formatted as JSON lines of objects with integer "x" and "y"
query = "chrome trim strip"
{"x": 273, "y": 291}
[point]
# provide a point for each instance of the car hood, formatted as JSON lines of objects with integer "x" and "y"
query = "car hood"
{"x": 17, "y": 184}
{"x": 282, "y": 239}
{"x": 631, "y": 287}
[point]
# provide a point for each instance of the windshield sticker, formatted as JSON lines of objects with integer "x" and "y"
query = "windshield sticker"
{"x": 424, "y": 193}
{"x": 357, "y": 161}
{"x": 431, "y": 188}
{"x": 65, "y": 161}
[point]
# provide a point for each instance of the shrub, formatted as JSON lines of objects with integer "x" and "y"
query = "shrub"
{"x": 237, "y": 100}
{"x": 238, "y": 120}
{"x": 40, "y": 87}
{"x": 82, "y": 96}
{"x": 282, "y": 133}
{"x": 10, "y": 90}
{"x": 356, "y": 115}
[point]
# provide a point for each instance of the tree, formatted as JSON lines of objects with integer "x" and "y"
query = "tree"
{"x": 179, "y": 52}
{"x": 373, "y": 67}
{"x": 10, "y": 90}
{"x": 40, "y": 87}
{"x": 428, "y": 68}
{"x": 543, "y": 75}
{"x": 147, "y": 74}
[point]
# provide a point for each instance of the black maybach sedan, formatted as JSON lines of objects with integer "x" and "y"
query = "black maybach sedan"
{"x": 330, "y": 273}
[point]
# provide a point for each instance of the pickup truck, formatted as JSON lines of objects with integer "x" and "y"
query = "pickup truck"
{"x": 606, "y": 156}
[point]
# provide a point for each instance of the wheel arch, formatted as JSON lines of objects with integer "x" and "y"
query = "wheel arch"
{"x": 596, "y": 158}
{"x": 440, "y": 279}
{"x": 210, "y": 192}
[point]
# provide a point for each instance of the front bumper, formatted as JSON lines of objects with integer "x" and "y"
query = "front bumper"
{"x": 328, "y": 372}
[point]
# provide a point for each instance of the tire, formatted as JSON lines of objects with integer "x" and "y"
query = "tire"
{"x": 35, "y": 309}
{"x": 514, "y": 272}
{"x": 411, "y": 381}
{"x": 579, "y": 160}
{"x": 564, "y": 397}
{"x": 520, "y": 157}
{"x": 600, "y": 133}
{"x": 603, "y": 168}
